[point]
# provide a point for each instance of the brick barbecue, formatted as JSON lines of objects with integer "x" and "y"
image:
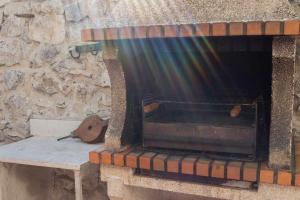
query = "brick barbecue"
{"x": 174, "y": 91}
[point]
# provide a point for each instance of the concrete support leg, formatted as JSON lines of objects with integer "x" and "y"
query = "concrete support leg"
{"x": 282, "y": 101}
{"x": 78, "y": 185}
{"x": 115, "y": 188}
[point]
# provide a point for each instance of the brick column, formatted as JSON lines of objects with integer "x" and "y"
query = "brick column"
{"x": 282, "y": 101}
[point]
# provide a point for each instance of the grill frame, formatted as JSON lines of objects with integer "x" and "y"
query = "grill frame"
{"x": 160, "y": 136}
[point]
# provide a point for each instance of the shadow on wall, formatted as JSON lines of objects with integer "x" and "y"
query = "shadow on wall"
{"x": 36, "y": 183}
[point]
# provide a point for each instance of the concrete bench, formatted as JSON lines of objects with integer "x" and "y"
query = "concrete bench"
{"x": 43, "y": 149}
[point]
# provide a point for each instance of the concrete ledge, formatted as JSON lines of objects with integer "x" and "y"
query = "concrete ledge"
{"x": 126, "y": 178}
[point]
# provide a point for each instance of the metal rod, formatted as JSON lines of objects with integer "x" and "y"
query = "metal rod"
{"x": 65, "y": 137}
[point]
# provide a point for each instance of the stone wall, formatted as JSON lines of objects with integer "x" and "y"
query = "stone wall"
{"x": 38, "y": 77}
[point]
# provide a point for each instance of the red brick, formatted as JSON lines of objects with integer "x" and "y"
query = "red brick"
{"x": 284, "y": 178}
{"x": 125, "y": 33}
{"x": 187, "y": 165}
{"x": 98, "y": 34}
{"x": 145, "y": 160}
{"x": 291, "y": 27}
{"x": 219, "y": 29}
{"x": 132, "y": 159}
{"x": 266, "y": 174}
{"x": 173, "y": 164}
{"x": 159, "y": 162}
{"x": 106, "y": 157}
{"x": 119, "y": 158}
{"x": 202, "y": 30}
{"x": 202, "y": 167}
{"x": 218, "y": 169}
{"x": 297, "y": 179}
{"x": 170, "y": 30}
{"x": 86, "y": 35}
{"x": 250, "y": 172}
{"x": 94, "y": 157}
{"x": 154, "y": 31}
{"x": 254, "y": 28}
{"x": 186, "y": 30}
{"x": 111, "y": 33}
{"x": 236, "y": 28}
{"x": 140, "y": 32}
{"x": 272, "y": 28}
{"x": 234, "y": 170}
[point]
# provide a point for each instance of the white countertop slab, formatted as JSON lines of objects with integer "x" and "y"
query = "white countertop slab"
{"x": 46, "y": 151}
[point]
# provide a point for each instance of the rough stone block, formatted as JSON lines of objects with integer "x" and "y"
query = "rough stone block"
{"x": 3, "y": 2}
{"x": 44, "y": 55}
{"x": 72, "y": 12}
{"x": 13, "y": 27}
{"x": 17, "y": 8}
{"x": 44, "y": 83}
{"x": 12, "y": 78}
{"x": 48, "y": 7}
{"x": 11, "y": 51}
{"x": 47, "y": 29}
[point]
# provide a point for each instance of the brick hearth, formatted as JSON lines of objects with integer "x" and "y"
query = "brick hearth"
{"x": 201, "y": 167}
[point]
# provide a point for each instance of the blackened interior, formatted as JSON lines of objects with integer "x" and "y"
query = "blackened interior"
{"x": 221, "y": 70}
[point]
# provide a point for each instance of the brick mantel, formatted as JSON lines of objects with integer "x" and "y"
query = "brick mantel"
{"x": 250, "y": 28}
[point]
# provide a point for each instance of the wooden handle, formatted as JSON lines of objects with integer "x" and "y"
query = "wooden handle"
{"x": 151, "y": 107}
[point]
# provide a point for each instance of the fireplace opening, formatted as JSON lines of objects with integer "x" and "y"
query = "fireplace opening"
{"x": 207, "y": 95}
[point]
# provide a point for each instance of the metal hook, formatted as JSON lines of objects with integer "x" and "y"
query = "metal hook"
{"x": 72, "y": 53}
{"x": 77, "y": 50}
{"x": 94, "y": 52}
